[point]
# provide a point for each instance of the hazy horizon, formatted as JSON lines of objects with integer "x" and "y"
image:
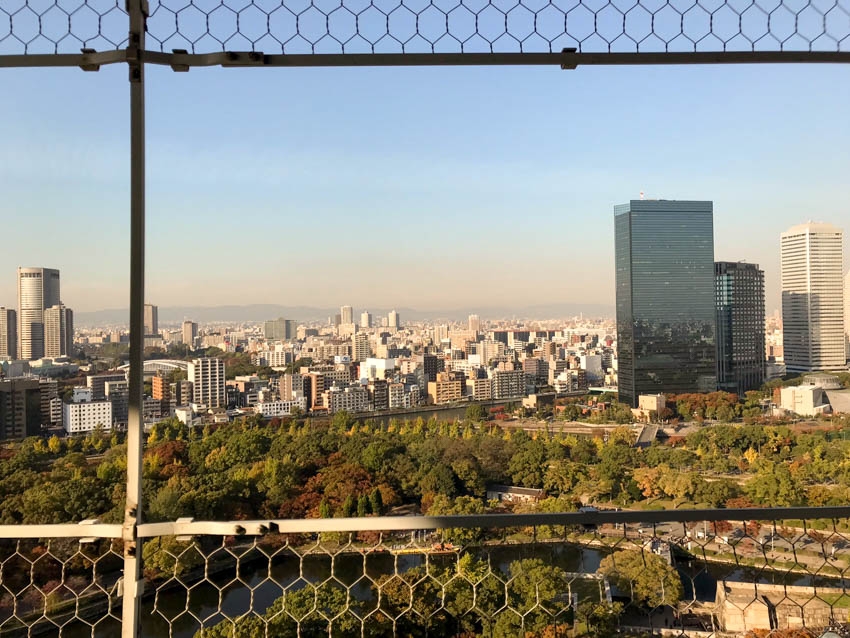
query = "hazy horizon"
{"x": 438, "y": 189}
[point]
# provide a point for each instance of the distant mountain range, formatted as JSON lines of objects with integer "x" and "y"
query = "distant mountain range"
{"x": 261, "y": 312}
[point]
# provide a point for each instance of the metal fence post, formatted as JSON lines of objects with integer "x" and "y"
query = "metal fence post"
{"x": 133, "y": 584}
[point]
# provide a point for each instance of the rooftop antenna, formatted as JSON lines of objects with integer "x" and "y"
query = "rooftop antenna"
{"x": 641, "y": 194}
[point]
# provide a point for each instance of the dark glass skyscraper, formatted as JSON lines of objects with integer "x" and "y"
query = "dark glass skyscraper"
{"x": 665, "y": 298}
{"x": 740, "y": 326}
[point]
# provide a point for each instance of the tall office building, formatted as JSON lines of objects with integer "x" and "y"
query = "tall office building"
{"x": 190, "y": 333}
{"x": 151, "y": 319}
{"x": 740, "y": 326}
{"x": 812, "y": 256}
{"x": 8, "y": 334}
{"x": 58, "y": 331}
{"x": 664, "y": 255}
{"x": 208, "y": 385}
{"x": 38, "y": 288}
{"x": 365, "y": 319}
{"x": 346, "y": 314}
{"x": 474, "y": 323}
{"x": 846, "y": 315}
{"x": 393, "y": 320}
{"x": 280, "y": 329}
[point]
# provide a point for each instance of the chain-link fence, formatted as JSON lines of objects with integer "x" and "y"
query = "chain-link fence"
{"x": 677, "y": 574}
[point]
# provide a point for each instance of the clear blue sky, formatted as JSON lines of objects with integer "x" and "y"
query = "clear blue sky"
{"x": 426, "y": 188}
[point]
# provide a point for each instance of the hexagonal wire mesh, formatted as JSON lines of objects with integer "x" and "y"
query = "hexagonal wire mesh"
{"x": 721, "y": 577}
{"x": 431, "y": 26}
{"x": 61, "y": 586}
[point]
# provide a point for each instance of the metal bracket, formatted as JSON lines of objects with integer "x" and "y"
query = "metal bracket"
{"x": 569, "y": 53}
{"x": 89, "y": 66}
{"x": 176, "y": 66}
{"x": 89, "y": 521}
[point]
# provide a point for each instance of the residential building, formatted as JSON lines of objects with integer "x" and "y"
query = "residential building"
{"x": 271, "y": 409}
{"x": 84, "y": 414}
{"x": 665, "y": 289}
{"x": 741, "y": 357}
{"x": 379, "y": 394}
{"x": 8, "y": 334}
{"x": 361, "y": 349}
{"x": 570, "y": 380}
{"x": 51, "y": 404}
{"x": 393, "y": 320}
{"x": 446, "y": 388}
{"x": 161, "y": 388}
{"x": 97, "y": 383}
{"x": 208, "y": 382}
{"x": 508, "y": 383}
{"x": 812, "y": 262}
{"x": 118, "y": 394}
{"x": 151, "y": 319}
{"x": 20, "y": 408}
{"x": 432, "y": 365}
{"x": 480, "y": 389}
{"x": 365, "y": 319}
{"x": 181, "y": 393}
{"x": 190, "y": 333}
{"x": 403, "y": 396}
{"x": 353, "y": 398}
{"x": 38, "y": 289}
{"x": 58, "y": 331}
{"x": 346, "y": 314}
{"x": 537, "y": 369}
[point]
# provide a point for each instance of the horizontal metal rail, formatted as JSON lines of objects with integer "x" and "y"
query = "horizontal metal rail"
{"x": 62, "y": 530}
{"x": 189, "y": 527}
{"x": 568, "y": 60}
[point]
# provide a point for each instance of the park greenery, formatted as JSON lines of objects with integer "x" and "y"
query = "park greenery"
{"x": 348, "y": 467}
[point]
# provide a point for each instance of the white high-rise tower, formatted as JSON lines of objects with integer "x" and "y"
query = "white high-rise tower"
{"x": 812, "y": 297}
{"x": 38, "y": 289}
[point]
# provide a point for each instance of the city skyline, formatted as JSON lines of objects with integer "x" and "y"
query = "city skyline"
{"x": 429, "y": 185}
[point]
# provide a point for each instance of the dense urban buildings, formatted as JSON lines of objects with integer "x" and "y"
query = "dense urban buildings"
{"x": 664, "y": 257}
{"x": 740, "y": 326}
{"x": 812, "y": 262}
{"x": 38, "y": 289}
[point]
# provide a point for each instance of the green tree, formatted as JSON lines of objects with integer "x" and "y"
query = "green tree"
{"x": 376, "y": 502}
{"x": 644, "y": 576}
{"x": 363, "y": 505}
{"x": 476, "y": 413}
{"x": 165, "y": 556}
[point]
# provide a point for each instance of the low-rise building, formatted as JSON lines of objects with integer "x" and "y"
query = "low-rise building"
{"x": 804, "y": 400}
{"x": 271, "y": 409}
{"x": 84, "y": 414}
{"x": 513, "y": 494}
